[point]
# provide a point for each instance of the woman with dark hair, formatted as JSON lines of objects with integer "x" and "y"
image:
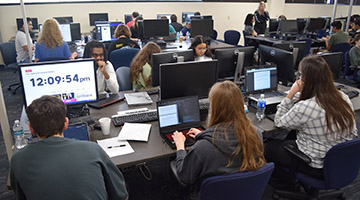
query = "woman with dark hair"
{"x": 123, "y": 35}
{"x": 106, "y": 76}
{"x": 323, "y": 116}
{"x": 261, "y": 16}
{"x": 135, "y": 27}
{"x": 200, "y": 48}
{"x": 140, "y": 67}
{"x": 249, "y": 21}
{"x": 51, "y": 43}
{"x": 229, "y": 145}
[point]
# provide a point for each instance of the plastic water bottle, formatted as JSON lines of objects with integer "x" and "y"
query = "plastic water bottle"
{"x": 20, "y": 141}
{"x": 246, "y": 109}
{"x": 187, "y": 36}
{"x": 140, "y": 43}
{"x": 261, "y": 105}
{"x": 82, "y": 39}
{"x": 89, "y": 38}
{"x": 178, "y": 34}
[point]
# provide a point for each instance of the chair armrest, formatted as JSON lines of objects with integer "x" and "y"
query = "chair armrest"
{"x": 297, "y": 153}
{"x": 174, "y": 172}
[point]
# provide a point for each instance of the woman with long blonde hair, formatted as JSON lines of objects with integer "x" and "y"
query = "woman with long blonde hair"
{"x": 51, "y": 42}
{"x": 230, "y": 144}
{"x": 261, "y": 16}
{"x": 140, "y": 67}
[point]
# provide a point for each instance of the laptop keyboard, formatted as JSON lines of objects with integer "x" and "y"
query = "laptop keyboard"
{"x": 83, "y": 119}
{"x": 147, "y": 116}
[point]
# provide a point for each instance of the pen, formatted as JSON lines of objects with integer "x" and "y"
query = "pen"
{"x": 121, "y": 145}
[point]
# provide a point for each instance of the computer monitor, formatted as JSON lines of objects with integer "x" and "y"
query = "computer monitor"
{"x": 288, "y": 27}
{"x": 166, "y": 15}
{"x": 73, "y": 81}
{"x": 273, "y": 25}
{"x": 66, "y": 32}
{"x": 227, "y": 60}
{"x": 155, "y": 28}
{"x": 64, "y": 20}
{"x": 186, "y": 16}
{"x": 33, "y": 20}
{"x": 93, "y": 17}
{"x": 289, "y": 46}
{"x": 127, "y": 18}
{"x": 315, "y": 24}
{"x": 187, "y": 79}
{"x": 75, "y": 31}
{"x": 334, "y": 60}
{"x": 168, "y": 57}
{"x": 201, "y": 17}
{"x": 301, "y": 23}
{"x": 105, "y": 30}
{"x": 204, "y": 27}
{"x": 283, "y": 61}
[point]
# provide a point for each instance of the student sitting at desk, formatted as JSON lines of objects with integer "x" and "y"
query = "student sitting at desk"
{"x": 354, "y": 54}
{"x": 337, "y": 37}
{"x": 135, "y": 27}
{"x": 61, "y": 168}
{"x": 200, "y": 48}
{"x": 105, "y": 74}
{"x": 171, "y": 28}
{"x": 323, "y": 117}
{"x": 249, "y": 21}
{"x": 229, "y": 145}
{"x": 186, "y": 28}
{"x": 177, "y": 26}
{"x": 51, "y": 42}
{"x": 123, "y": 35}
{"x": 140, "y": 67}
{"x": 21, "y": 45}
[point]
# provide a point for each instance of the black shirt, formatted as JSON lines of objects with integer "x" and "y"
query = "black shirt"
{"x": 260, "y": 22}
{"x": 121, "y": 43}
{"x": 177, "y": 26}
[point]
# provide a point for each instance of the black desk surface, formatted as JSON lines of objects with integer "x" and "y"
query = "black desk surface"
{"x": 271, "y": 41}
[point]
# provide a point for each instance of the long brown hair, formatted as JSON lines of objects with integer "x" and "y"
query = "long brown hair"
{"x": 227, "y": 108}
{"x": 143, "y": 57}
{"x": 319, "y": 83}
{"x": 51, "y": 35}
{"x": 122, "y": 30}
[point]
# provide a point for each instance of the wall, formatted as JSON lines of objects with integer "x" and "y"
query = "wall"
{"x": 226, "y": 15}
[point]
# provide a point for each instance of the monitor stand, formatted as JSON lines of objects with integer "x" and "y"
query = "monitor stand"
{"x": 74, "y": 111}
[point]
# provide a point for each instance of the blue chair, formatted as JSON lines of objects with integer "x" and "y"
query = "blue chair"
{"x": 308, "y": 45}
{"x": 246, "y": 41}
{"x": 122, "y": 57}
{"x": 232, "y": 37}
{"x": 123, "y": 78}
{"x": 8, "y": 53}
{"x": 341, "y": 47}
{"x": 243, "y": 185}
{"x": 341, "y": 167}
{"x": 215, "y": 34}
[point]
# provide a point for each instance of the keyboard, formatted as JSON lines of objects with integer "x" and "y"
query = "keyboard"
{"x": 204, "y": 105}
{"x": 135, "y": 116}
{"x": 83, "y": 119}
{"x": 352, "y": 93}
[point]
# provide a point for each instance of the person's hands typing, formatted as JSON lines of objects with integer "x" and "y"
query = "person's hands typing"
{"x": 179, "y": 140}
{"x": 193, "y": 132}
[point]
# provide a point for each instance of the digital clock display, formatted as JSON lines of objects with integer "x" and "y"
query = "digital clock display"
{"x": 72, "y": 81}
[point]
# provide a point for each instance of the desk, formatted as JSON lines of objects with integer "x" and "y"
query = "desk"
{"x": 270, "y": 41}
{"x": 184, "y": 45}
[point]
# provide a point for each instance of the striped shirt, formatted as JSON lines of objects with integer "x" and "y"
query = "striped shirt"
{"x": 308, "y": 118}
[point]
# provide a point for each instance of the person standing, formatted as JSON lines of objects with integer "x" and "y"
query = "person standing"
{"x": 261, "y": 16}
{"x": 177, "y": 26}
{"x": 134, "y": 16}
{"x": 21, "y": 45}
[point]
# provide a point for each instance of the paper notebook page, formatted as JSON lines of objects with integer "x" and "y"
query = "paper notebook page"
{"x": 113, "y": 147}
{"x": 135, "y": 131}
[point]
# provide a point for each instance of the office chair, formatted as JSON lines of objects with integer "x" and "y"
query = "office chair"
{"x": 308, "y": 45}
{"x": 8, "y": 52}
{"x": 232, "y": 37}
{"x": 241, "y": 185}
{"x": 350, "y": 71}
{"x": 215, "y": 34}
{"x": 122, "y": 57}
{"x": 341, "y": 167}
{"x": 341, "y": 47}
{"x": 55, "y": 58}
{"x": 123, "y": 77}
{"x": 246, "y": 41}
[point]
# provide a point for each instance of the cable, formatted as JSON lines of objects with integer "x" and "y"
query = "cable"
{"x": 140, "y": 167}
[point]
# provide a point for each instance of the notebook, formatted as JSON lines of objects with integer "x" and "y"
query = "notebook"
{"x": 263, "y": 80}
{"x": 178, "y": 114}
{"x": 111, "y": 99}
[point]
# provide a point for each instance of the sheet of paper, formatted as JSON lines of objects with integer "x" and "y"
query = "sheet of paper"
{"x": 113, "y": 147}
{"x": 135, "y": 131}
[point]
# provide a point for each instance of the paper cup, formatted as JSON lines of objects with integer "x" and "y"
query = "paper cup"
{"x": 105, "y": 125}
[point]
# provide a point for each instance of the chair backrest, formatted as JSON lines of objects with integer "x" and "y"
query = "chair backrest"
{"x": 308, "y": 45}
{"x": 334, "y": 60}
{"x": 215, "y": 34}
{"x": 243, "y": 185}
{"x": 347, "y": 71}
{"x": 8, "y": 52}
{"x": 55, "y": 58}
{"x": 122, "y": 57}
{"x": 123, "y": 77}
{"x": 232, "y": 37}
{"x": 341, "y": 164}
{"x": 341, "y": 47}
{"x": 245, "y": 39}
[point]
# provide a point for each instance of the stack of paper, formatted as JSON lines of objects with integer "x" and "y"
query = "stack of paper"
{"x": 113, "y": 147}
{"x": 138, "y": 98}
{"x": 135, "y": 131}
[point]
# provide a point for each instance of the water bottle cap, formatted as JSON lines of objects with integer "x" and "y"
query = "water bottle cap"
{"x": 17, "y": 121}
{"x": 262, "y": 95}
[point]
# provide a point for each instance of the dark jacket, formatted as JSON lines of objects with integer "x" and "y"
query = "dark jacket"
{"x": 177, "y": 26}
{"x": 122, "y": 43}
{"x": 260, "y": 22}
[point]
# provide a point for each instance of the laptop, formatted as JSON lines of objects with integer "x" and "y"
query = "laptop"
{"x": 178, "y": 114}
{"x": 77, "y": 131}
{"x": 263, "y": 80}
{"x": 108, "y": 100}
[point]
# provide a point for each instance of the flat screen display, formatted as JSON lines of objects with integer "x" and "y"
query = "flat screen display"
{"x": 72, "y": 81}
{"x": 105, "y": 30}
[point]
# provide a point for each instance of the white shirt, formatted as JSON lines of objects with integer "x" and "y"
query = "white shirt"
{"x": 110, "y": 84}
{"x": 202, "y": 58}
{"x": 20, "y": 41}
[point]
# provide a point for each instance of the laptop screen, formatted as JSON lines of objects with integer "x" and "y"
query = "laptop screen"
{"x": 260, "y": 79}
{"x": 178, "y": 112}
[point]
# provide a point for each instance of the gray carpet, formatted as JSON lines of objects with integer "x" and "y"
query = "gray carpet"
{"x": 162, "y": 186}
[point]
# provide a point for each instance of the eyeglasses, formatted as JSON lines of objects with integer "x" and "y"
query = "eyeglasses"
{"x": 202, "y": 49}
{"x": 97, "y": 55}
